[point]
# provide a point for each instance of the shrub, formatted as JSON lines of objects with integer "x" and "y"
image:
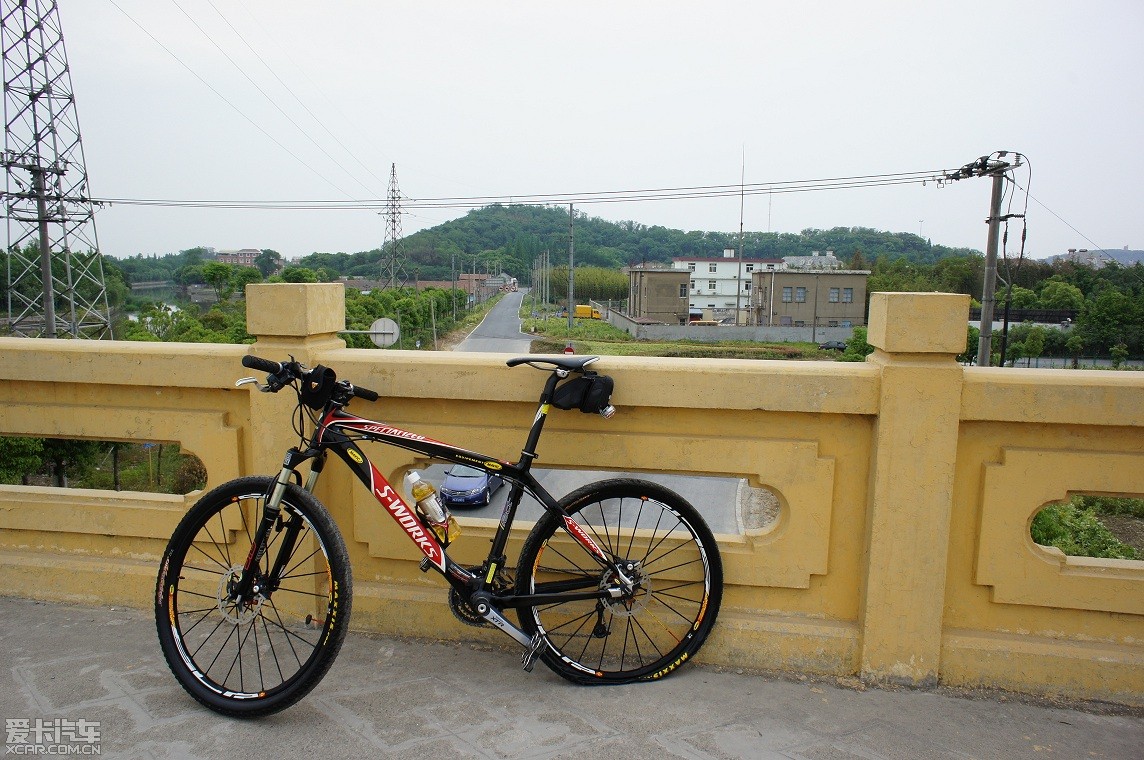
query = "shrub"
{"x": 1076, "y": 531}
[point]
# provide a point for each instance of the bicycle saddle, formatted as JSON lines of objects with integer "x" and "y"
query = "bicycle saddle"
{"x": 570, "y": 363}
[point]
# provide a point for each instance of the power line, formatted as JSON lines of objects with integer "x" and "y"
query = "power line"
{"x": 266, "y": 95}
{"x": 297, "y": 99}
{"x": 603, "y": 196}
{"x": 224, "y": 99}
{"x": 346, "y": 120}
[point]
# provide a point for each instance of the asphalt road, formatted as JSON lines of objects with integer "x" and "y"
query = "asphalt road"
{"x": 499, "y": 332}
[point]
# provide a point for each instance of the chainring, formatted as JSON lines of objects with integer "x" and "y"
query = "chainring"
{"x": 464, "y": 611}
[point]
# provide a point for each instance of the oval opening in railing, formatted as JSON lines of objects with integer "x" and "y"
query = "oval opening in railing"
{"x": 147, "y": 466}
{"x": 1092, "y": 526}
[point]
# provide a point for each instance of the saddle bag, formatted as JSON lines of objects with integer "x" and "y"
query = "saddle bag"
{"x": 590, "y": 393}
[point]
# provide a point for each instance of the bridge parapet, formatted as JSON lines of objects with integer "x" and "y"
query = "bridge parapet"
{"x": 905, "y": 485}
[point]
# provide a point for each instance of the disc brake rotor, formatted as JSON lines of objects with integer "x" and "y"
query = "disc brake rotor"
{"x": 236, "y": 612}
{"x": 631, "y": 605}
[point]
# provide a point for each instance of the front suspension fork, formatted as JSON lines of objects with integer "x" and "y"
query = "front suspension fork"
{"x": 248, "y": 583}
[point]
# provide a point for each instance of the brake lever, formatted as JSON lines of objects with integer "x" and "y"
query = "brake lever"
{"x": 253, "y": 381}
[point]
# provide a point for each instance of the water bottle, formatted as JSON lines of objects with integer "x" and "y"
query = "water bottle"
{"x": 443, "y": 524}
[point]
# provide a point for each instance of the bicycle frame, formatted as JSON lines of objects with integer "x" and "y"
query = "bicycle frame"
{"x": 339, "y": 431}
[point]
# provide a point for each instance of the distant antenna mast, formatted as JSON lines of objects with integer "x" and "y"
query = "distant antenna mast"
{"x": 54, "y": 274}
{"x": 739, "y": 269}
{"x": 393, "y": 249}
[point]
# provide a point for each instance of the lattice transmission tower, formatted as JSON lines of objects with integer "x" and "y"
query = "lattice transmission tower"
{"x": 393, "y": 273}
{"x": 54, "y": 274}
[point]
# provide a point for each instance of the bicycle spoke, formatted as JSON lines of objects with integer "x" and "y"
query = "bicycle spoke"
{"x": 301, "y": 561}
{"x": 255, "y": 654}
{"x": 212, "y": 559}
{"x": 645, "y": 630}
{"x": 273, "y": 651}
{"x": 635, "y": 525}
{"x": 258, "y": 656}
{"x": 222, "y": 532}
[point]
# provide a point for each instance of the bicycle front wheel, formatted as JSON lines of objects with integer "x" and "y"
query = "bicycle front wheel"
{"x": 646, "y": 634}
{"x": 259, "y": 655}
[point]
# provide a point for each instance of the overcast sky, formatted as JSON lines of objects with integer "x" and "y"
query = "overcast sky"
{"x": 517, "y": 98}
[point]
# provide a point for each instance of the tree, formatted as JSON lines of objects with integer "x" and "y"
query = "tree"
{"x": 1015, "y": 351}
{"x": 267, "y": 262}
{"x": 1119, "y": 353}
{"x": 195, "y": 256}
{"x": 19, "y": 457}
{"x": 187, "y": 276}
{"x": 1022, "y": 298}
{"x": 218, "y": 276}
{"x": 972, "y": 338}
{"x": 857, "y": 349}
{"x": 1109, "y": 319}
{"x": 299, "y": 274}
{"x": 1060, "y": 295}
{"x": 68, "y": 457}
{"x": 243, "y": 276}
{"x": 1035, "y": 342}
{"x": 156, "y": 322}
{"x": 1074, "y": 345}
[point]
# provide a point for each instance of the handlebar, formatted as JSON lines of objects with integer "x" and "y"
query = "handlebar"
{"x": 263, "y": 365}
{"x": 365, "y": 393}
{"x": 316, "y": 380}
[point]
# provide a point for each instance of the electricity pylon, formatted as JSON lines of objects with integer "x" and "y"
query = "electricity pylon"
{"x": 54, "y": 273}
{"x": 393, "y": 249}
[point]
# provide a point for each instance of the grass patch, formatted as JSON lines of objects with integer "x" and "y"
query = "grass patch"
{"x": 597, "y": 337}
{"x": 1076, "y": 529}
{"x": 684, "y": 349}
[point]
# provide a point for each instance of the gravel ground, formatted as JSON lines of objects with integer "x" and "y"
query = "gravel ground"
{"x": 1128, "y": 529}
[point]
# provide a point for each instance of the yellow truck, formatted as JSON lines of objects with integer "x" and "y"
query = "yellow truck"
{"x": 585, "y": 311}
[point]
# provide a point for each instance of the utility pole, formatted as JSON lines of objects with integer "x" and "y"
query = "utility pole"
{"x": 989, "y": 166}
{"x": 814, "y": 319}
{"x": 547, "y": 276}
{"x": 985, "y": 341}
{"x": 571, "y": 265}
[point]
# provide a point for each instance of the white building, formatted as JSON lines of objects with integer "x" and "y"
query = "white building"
{"x": 720, "y": 285}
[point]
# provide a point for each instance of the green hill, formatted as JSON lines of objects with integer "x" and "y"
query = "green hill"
{"x": 514, "y": 235}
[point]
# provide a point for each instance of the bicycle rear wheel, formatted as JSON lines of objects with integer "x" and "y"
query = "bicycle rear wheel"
{"x": 651, "y": 632}
{"x": 260, "y": 656}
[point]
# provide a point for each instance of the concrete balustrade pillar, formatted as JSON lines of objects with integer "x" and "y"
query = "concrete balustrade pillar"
{"x": 287, "y": 319}
{"x": 916, "y": 337}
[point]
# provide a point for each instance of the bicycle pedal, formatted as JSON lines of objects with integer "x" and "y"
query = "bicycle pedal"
{"x": 528, "y": 659}
{"x": 425, "y": 564}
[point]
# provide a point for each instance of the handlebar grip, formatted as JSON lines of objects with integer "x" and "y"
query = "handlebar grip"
{"x": 365, "y": 393}
{"x": 264, "y": 365}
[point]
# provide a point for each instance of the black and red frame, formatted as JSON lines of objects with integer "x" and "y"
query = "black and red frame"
{"x": 339, "y": 431}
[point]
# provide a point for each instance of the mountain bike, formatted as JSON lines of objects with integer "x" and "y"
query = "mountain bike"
{"x": 618, "y": 581}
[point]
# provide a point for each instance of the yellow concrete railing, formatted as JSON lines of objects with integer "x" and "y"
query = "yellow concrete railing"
{"x": 906, "y": 485}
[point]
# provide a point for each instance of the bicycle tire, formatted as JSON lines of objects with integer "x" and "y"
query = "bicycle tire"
{"x": 255, "y": 659}
{"x": 666, "y": 621}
